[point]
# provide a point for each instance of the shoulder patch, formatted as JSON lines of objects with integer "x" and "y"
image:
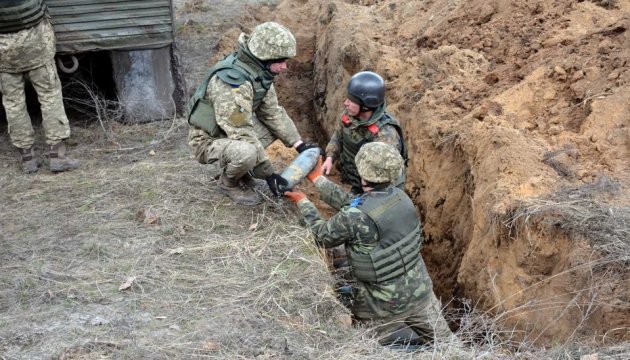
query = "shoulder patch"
{"x": 373, "y": 129}
{"x": 345, "y": 120}
{"x": 356, "y": 202}
{"x": 232, "y": 77}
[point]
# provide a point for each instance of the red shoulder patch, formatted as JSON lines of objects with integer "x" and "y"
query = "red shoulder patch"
{"x": 345, "y": 120}
{"x": 373, "y": 129}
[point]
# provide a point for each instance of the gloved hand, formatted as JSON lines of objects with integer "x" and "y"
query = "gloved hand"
{"x": 306, "y": 145}
{"x": 316, "y": 172}
{"x": 295, "y": 196}
{"x": 328, "y": 164}
{"x": 277, "y": 184}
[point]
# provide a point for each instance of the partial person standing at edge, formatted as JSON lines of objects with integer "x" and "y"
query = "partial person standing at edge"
{"x": 27, "y": 51}
{"x": 235, "y": 115}
{"x": 365, "y": 119}
{"x": 381, "y": 232}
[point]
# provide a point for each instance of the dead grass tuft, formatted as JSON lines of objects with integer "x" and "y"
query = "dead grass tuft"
{"x": 585, "y": 211}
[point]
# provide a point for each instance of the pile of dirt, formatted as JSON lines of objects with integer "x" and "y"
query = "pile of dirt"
{"x": 505, "y": 105}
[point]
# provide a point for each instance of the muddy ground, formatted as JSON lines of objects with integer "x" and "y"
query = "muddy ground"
{"x": 516, "y": 114}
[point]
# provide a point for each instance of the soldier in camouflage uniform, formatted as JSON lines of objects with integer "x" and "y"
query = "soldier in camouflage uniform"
{"x": 27, "y": 50}
{"x": 364, "y": 120}
{"x": 381, "y": 233}
{"x": 235, "y": 115}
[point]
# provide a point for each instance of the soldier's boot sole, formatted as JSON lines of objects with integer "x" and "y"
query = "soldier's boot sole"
{"x": 240, "y": 195}
{"x": 63, "y": 164}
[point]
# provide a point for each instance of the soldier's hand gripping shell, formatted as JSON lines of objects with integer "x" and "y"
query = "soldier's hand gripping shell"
{"x": 307, "y": 145}
{"x": 316, "y": 172}
{"x": 277, "y": 184}
{"x": 295, "y": 196}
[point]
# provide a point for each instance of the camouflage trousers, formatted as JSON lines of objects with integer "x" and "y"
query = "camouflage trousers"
{"x": 48, "y": 87}
{"x": 235, "y": 157}
{"x": 423, "y": 324}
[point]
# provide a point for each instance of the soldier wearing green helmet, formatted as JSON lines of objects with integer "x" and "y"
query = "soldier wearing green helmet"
{"x": 380, "y": 230}
{"x": 235, "y": 115}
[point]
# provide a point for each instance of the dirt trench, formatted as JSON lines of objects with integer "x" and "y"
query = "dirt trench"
{"x": 516, "y": 116}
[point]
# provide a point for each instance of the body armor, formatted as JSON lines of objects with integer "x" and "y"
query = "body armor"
{"x": 398, "y": 248}
{"x": 234, "y": 70}
{"x": 17, "y": 15}
{"x": 351, "y": 143}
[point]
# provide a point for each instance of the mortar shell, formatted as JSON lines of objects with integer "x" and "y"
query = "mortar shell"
{"x": 300, "y": 167}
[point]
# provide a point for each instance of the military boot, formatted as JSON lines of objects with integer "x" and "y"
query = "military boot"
{"x": 239, "y": 193}
{"x": 30, "y": 163}
{"x": 253, "y": 183}
{"x": 59, "y": 161}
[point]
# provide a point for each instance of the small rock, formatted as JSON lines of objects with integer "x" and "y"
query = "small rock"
{"x": 582, "y": 173}
{"x": 605, "y": 46}
{"x": 554, "y": 130}
{"x": 531, "y": 126}
{"x": 491, "y": 79}
{"x": 578, "y": 75}
{"x": 152, "y": 152}
{"x": 549, "y": 94}
{"x": 559, "y": 70}
{"x": 614, "y": 74}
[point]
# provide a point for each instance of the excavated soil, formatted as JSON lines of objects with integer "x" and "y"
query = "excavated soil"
{"x": 516, "y": 114}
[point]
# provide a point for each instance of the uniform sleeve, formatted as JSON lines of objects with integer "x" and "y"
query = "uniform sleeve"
{"x": 332, "y": 194}
{"x": 349, "y": 225}
{"x": 388, "y": 135}
{"x": 233, "y": 111}
{"x": 274, "y": 116}
{"x": 333, "y": 148}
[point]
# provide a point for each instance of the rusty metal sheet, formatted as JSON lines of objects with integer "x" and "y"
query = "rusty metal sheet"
{"x": 88, "y": 25}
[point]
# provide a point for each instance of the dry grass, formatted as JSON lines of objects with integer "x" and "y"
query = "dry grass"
{"x": 210, "y": 279}
{"x": 584, "y": 212}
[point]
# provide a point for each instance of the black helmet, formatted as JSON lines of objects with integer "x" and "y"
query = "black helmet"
{"x": 367, "y": 89}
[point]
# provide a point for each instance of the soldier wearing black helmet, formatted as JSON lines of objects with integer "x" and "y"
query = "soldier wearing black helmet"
{"x": 364, "y": 120}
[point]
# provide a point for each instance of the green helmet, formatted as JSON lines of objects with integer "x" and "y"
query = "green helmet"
{"x": 271, "y": 41}
{"x": 378, "y": 162}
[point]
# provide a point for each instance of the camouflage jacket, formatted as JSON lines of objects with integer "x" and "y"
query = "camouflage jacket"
{"x": 234, "y": 110}
{"x": 354, "y": 229}
{"x": 27, "y": 49}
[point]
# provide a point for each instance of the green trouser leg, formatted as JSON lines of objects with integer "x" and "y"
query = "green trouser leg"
{"x": 426, "y": 321}
{"x": 48, "y": 87}
{"x": 14, "y": 102}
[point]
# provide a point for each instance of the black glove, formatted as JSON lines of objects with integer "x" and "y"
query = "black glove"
{"x": 277, "y": 184}
{"x": 306, "y": 145}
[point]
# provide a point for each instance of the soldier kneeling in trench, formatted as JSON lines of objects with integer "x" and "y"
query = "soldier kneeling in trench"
{"x": 234, "y": 114}
{"x": 380, "y": 230}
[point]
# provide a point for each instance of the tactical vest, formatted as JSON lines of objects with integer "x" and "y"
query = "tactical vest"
{"x": 234, "y": 72}
{"x": 398, "y": 248}
{"x": 17, "y": 15}
{"x": 351, "y": 146}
